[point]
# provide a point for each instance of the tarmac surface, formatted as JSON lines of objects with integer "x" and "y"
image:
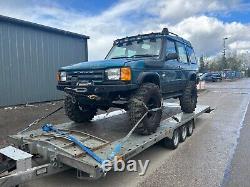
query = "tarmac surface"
{"x": 217, "y": 154}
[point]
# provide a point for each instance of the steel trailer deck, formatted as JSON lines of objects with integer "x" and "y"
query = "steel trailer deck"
{"x": 58, "y": 154}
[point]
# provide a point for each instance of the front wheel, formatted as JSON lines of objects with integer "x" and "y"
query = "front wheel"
{"x": 188, "y": 100}
{"x": 78, "y": 113}
{"x": 150, "y": 95}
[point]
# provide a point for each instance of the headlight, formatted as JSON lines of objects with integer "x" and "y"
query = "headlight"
{"x": 113, "y": 74}
{"x": 61, "y": 76}
{"x": 123, "y": 74}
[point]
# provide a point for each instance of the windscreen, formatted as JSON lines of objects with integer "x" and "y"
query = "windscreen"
{"x": 142, "y": 48}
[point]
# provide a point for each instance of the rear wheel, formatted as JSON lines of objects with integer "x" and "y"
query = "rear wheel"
{"x": 78, "y": 113}
{"x": 148, "y": 94}
{"x": 188, "y": 100}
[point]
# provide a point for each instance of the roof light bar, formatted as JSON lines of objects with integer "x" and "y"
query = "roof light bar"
{"x": 164, "y": 32}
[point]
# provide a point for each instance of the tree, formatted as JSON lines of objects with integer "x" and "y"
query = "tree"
{"x": 213, "y": 66}
{"x": 202, "y": 65}
{"x": 223, "y": 64}
{"x": 234, "y": 63}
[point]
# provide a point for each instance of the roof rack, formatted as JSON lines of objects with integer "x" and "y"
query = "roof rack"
{"x": 165, "y": 31}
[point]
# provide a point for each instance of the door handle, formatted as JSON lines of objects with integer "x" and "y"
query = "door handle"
{"x": 179, "y": 67}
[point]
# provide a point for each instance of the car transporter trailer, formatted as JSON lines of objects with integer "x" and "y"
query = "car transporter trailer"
{"x": 43, "y": 152}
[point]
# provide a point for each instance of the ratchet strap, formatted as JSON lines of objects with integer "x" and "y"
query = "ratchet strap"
{"x": 118, "y": 147}
{"x": 38, "y": 120}
{"x": 51, "y": 128}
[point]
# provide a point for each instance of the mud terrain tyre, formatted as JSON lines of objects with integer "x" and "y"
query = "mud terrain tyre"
{"x": 77, "y": 113}
{"x": 150, "y": 95}
{"x": 188, "y": 100}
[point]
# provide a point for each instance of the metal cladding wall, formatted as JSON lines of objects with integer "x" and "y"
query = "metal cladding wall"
{"x": 30, "y": 55}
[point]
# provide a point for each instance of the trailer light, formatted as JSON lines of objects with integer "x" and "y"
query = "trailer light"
{"x": 125, "y": 74}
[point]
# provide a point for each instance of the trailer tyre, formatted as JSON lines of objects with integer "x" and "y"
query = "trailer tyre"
{"x": 188, "y": 100}
{"x": 183, "y": 133}
{"x": 77, "y": 113}
{"x": 190, "y": 128}
{"x": 150, "y": 95}
{"x": 172, "y": 143}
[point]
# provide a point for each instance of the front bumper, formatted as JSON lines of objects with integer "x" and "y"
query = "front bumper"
{"x": 96, "y": 89}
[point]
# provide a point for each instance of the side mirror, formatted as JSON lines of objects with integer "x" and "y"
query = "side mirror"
{"x": 172, "y": 56}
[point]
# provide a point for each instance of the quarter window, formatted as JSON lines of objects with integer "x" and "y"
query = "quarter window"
{"x": 191, "y": 55}
{"x": 182, "y": 52}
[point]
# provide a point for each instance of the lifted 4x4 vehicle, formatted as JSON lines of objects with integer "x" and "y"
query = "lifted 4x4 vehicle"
{"x": 138, "y": 69}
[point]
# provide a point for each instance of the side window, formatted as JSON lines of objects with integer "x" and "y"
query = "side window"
{"x": 182, "y": 52}
{"x": 191, "y": 55}
{"x": 170, "y": 48}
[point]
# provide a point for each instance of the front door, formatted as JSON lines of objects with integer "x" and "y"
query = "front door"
{"x": 171, "y": 75}
{"x": 184, "y": 65}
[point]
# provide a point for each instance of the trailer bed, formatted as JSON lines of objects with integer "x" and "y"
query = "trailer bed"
{"x": 101, "y": 136}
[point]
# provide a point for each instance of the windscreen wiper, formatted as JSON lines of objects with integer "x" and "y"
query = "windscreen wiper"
{"x": 143, "y": 55}
{"x": 135, "y": 56}
{"x": 116, "y": 57}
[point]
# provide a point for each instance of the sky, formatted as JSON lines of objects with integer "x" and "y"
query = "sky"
{"x": 203, "y": 22}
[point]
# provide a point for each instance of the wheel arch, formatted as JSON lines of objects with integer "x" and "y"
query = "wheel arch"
{"x": 149, "y": 77}
{"x": 193, "y": 77}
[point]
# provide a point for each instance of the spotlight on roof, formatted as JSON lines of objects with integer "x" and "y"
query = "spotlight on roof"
{"x": 165, "y": 31}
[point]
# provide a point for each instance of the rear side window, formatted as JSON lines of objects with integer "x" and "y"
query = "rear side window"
{"x": 182, "y": 52}
{"x": 191, "y": 55}
{"x": 170, "y": 47}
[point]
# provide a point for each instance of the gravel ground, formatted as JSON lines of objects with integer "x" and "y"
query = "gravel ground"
{"x": 15, "y": 118}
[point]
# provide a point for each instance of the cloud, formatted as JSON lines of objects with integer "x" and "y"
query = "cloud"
{"x": 240, "y": 45}
{"x": 207, "y": 33}
{"x": 194, "y": 20}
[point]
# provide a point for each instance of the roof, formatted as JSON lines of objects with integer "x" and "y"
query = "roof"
{"x": 152, "y": 35}
{"x": 41, "y": 27}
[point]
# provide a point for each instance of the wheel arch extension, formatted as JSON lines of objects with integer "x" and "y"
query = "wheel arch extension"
{"x": 149, "y": 77}
{"x": 193, "y": 77}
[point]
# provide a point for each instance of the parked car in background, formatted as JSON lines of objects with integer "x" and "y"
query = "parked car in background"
{"x": 211, "y": 77}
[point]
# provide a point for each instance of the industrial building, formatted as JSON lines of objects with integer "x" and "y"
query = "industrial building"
{"x": 30, "y": 55}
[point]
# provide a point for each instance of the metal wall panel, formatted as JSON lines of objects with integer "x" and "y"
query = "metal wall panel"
{"x": 29, "y": 60}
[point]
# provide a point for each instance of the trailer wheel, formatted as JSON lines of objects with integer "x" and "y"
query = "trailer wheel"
{"x": 150, "y": 95}
{"x": 190, "y": 128}
{"x": 188, "y": 100}
{"x": 77, "y": 113}
{"x": 183, "y": 133}
{"x": 173, "y": 142}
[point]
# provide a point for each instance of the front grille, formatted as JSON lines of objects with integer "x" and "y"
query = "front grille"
{"x": 86, "y": 75}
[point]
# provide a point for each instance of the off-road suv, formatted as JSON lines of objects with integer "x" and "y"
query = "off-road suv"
{"x": 138, "y": 69}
